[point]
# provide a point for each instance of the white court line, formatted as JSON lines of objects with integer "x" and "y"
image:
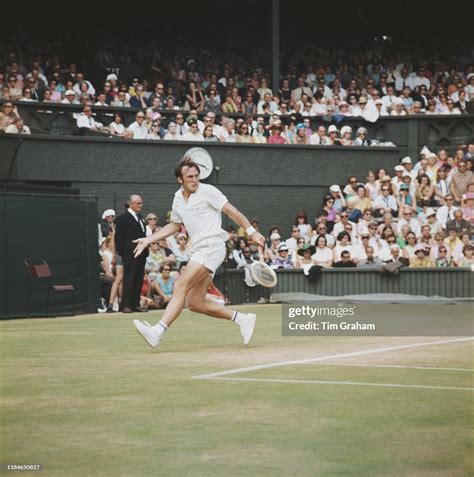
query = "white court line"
{"x": 347, "y": 383}
{"x": 328, "y": 357}
{"x": 394, "y": 366}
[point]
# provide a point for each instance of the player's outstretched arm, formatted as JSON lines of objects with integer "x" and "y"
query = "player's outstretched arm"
{"x": 166, "y": 231}
{"x": 234, "y": 214}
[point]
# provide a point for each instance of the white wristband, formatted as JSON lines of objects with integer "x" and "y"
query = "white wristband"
{"x": 250, "y": 230}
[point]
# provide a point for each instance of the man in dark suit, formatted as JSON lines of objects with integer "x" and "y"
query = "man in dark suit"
{"x": 130, "y": 226}
{"x": 459, "y": 223}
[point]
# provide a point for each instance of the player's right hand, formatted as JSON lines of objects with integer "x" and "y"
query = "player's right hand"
{"x": 142, "y": 244}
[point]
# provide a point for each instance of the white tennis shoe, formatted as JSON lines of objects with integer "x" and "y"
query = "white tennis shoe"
{"x": 247, "y": 327}
{"x": 149, "y": 334}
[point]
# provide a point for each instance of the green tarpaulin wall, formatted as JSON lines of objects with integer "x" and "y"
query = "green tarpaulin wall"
{"x": 62, "y": 230}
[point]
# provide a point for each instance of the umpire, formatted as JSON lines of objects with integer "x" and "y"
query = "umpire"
{"x": 130, "y": 226}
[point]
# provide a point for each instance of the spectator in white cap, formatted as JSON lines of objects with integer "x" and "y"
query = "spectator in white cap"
{"x": 407, "y": 164}
{"x": 70, "y": 97}
{"x": 346, "y": 136}
{"x": 339, "y": 201}
{"x": 344, "y": 108}
{"x": 422, "y": 258}
{"x": 107, "y": 223}
{"x": 397, "y": 179}
{"x": 332, "y": 135}
{"x": 282, "y": 260}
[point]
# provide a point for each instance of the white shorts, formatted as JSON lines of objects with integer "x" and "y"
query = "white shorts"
{"x": 210, "y": 254}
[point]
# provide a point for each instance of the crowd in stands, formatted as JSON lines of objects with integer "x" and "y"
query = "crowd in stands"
{"x": 179, "y": 98}
{"x": 419, "y": 215}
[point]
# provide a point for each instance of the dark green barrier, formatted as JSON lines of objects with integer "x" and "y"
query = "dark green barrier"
{"x": 62, "y": 230}
{"x": 450, "y": 283}
{"x": 269, "y": 182}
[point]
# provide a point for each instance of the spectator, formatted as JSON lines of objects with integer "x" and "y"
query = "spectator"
{"x": 304, "y": 256}
{"x": 85, "y": 122}
{"x": 467, "y": 259}
{"x": 116, "y": 127}
{"x": 162, "y": 287}
{"x": 421, "y": 258}
{"x": 260, "y": 134}
{"x": 323, "y": 255}
{"x": 106, "y": 225}
{"x": 243, "y": 135}
{"x": 371, "y": 261}
{"x": 443, "y": 260}
{"x": 459, "y": 181}
{"x": 346, "y": 136}
{"x": 276, "y": 133}
{"x": 70, "y": 97}
{"x": 228, "y": 134}
{"x": 446, "y": 212}
{"x": 137, "y": 129}
{"x": 460, "y": 224}
{"x": 282, "y": 260}
{"x": 18, "y": 127}
{"x": 345, "y": 261}
{"x": 406, "y": 218}
{"x": 121, "y": 100}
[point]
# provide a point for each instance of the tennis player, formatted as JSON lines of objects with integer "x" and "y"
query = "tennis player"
{"x": 198, "y": 207}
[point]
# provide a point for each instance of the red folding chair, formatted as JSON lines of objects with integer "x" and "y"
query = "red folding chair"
{"x": 38, "y": 270}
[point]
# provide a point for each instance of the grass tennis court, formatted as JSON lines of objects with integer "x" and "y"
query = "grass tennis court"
{"x": 86, "y": 396}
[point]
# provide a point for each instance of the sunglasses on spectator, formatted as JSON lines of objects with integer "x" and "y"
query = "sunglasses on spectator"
{"x": 167, "y": 269}
{"x": 442, "y": 250}
{"x": 372, "y": 227}
{"x": 141, "y": 117}
{"x": 152, "y": 218}
{"x": 385, "y": 190}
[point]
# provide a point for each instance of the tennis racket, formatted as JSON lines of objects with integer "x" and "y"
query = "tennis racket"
{"x": 262, "y": 273}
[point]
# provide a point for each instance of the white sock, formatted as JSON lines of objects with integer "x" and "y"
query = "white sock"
{"x": 238, "y": 318}
{"x": 160, "y": 327}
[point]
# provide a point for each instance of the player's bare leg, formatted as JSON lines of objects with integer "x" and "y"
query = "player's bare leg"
{"x": 193, "y": 284}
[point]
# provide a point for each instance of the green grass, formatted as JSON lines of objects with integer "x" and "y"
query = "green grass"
{"x": 86, "y": 396}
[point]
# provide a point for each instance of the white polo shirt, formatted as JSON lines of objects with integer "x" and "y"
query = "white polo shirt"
{"x": 201, "y": 214}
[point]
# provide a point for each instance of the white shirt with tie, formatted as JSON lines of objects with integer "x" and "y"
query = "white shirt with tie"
{"x": 84, "y": 121}
{"x": 444, "y": 214}
{"x": 135, "y": 216}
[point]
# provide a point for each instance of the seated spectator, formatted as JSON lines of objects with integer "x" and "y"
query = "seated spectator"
{"x": 421, "y": 258}
{"x": 460, "y": 181}
{"x": 208, "y": 134}
{"x": 408, "y": 219}
{"x": 361, "y": 139}
{"x": 467, "y": 259}
{"x": 182, "y": 251}
{"x": 172, "y": 133}
{"x": 70, "y": 97}
{"x": 8, "y": 115}
{"x": 212, "y": 102}
{"x": 346, "y": 136}
{"x": 371, "y": 261}
{"x": 460, "y": 224}
{"x": 102, "y": 99}
{"x": 452, "y": 241}
{"x": 228, "y": 134}
{"x": 243, "y": 135}
{"x": 300, "y": 137}
{"x": 467, "y": 207}
{"x": 363, "y": 201}
{"x": 162, "y": 287}
{"x": 121, "y": 100}
{"x": 425, "y": 190}
{"x": 229, "y": 106}
{"x": 86, "y": 122}
{"x": 323, "y": 255}
{"x": 137, "y": 129}
{"x": 282, "y": 259}
{"x": 194, "y": 97}
{"x": 27, "y": 95}
{"x": 408, "y": 250}
{"x": 398, "y": 107}
{"x": 343, "y": 244}
{"x": 345, "y": 261}
{"x": 260, "y": 134}
{"x": 446, "y": 212}
{"x": 320, "y": 138}
{"x": 443, "y": 260}
{"x": 116, "y": 127}
{"x": 18, "y": 127}
{"x": 276, "y": 133}
{"x": 304, "y": 256}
